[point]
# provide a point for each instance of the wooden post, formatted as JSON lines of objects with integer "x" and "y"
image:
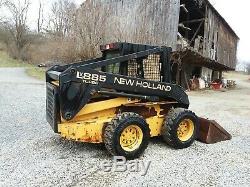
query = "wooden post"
{"x": 178, "y": 73}
{"x": 178, "y": 76}
{"x": 220, "y": 76}
{"x": 186, "y": 81}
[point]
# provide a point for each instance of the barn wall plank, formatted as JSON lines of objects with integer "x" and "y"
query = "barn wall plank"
{"x": 220, "y": 43}
{"x": 156, "y": 22}
{"x": 143, "y": 21}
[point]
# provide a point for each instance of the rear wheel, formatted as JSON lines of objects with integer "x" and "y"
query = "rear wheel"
{"x": 126, "y": 135}
{"x": 180, "y": 128}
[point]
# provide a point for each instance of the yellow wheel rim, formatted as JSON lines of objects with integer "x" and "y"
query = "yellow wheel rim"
{"x": 131, "y": 138}
{"x": 185, "y": 130}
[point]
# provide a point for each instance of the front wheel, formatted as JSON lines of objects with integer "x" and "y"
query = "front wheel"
{"x": 126, "y": 135}
{"x": 180, "y": 128}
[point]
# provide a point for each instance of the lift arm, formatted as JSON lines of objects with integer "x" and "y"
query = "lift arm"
{"x": 80, "y": 82}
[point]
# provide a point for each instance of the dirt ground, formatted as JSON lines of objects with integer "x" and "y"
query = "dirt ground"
{"x": 32, "y": 155}
{"x": 236, "y": 101}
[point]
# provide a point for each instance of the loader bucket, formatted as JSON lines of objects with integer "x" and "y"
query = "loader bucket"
{"x": 211, "y": 132}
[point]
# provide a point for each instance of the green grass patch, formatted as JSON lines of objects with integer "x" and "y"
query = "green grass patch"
{"x": 38, "y": 73}
{"x": 7, "y": 61}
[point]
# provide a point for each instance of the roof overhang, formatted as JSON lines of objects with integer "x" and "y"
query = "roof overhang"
{"x": 189, "y": 56}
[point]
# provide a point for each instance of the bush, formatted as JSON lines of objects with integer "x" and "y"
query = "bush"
{"x": 53, "y": 50}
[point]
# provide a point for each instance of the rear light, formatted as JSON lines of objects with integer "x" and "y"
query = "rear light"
{"x": 108, "y": 46}
{"x": 111, "y": 46}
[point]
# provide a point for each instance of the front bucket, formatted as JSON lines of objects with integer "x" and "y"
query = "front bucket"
{"x": 211, "y": 132}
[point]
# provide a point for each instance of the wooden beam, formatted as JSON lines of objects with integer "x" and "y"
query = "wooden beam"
{"x": 186, "y": 81}
{"x": 193, "y": 21}
{"x": 220, "y": 75}
{"x": 198, "y": 29}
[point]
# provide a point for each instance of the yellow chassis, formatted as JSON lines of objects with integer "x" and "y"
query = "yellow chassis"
{"x": 88, "y": 124}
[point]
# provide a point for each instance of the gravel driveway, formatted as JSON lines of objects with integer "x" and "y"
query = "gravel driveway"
{"x": 32, "y": 155}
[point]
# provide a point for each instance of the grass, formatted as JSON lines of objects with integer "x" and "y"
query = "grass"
{"x": 7, "y": 62}
{"x": 38, "y": 73}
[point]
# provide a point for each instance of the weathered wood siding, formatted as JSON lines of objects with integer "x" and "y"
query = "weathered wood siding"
{"x": 227, "y": 47}
{"x": 156, "y": 22}
{"x": 220, "y": 43}
{"x": 142, "y": 21}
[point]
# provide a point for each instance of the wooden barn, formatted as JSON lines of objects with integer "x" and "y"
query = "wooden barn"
{"x": 203, "y": 43}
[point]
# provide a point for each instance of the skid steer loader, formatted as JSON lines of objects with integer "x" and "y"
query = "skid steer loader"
{"x": 122, "y": 99}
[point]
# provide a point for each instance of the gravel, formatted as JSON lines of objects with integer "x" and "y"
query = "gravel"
{"x": 32, "y": 155}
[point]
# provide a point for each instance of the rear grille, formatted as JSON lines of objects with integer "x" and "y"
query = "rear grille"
{"x": 52, "y": 106}
{"x": 151, "y": 68}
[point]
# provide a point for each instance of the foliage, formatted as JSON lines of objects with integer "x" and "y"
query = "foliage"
{"x": 38, "y": 73}
{"x": 7, "y": 61}
{"x": 248, "y": 68}
{"x": 67, "y": 34}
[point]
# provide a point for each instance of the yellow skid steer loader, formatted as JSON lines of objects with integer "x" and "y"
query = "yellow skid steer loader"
{"x": 122, "y": 99}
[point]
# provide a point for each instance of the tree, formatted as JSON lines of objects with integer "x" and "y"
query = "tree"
{"x": 17, "y": 25}
{"x": 62, "y": 18}
{"x": 40, "y": 19}
{"x": 1, "y": 4}
{"x": 90, "y": 28}
{"x": 248, "y": 68}
{"x": 244, "y": 66}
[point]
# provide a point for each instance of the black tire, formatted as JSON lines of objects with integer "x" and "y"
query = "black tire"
{"x": 112, "y": 133}
{"x": 171, "y": 124}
